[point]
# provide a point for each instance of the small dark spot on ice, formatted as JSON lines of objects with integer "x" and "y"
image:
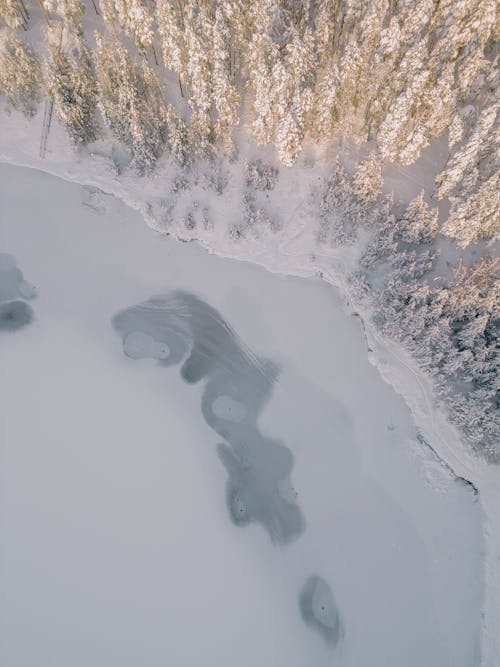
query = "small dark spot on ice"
{"x": 15, "y": 315}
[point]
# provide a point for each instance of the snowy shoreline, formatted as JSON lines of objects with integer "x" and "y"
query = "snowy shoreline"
{"x": 276, "y": 254}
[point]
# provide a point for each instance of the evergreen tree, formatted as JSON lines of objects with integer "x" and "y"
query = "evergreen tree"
{"x": 178, "y": 137}
{"x": 262, "y": 59}
{"x": 477, "y": 217}
{"x": 71, "y": 85}
{"x": 171, "y": 29}
{"x": 69, "y": 11}
{"x": 419, "y": 223}
{"x": 199, "y": 39}
{"x": 225, "y": 94}
{"x": 131, "y": 102}
{"x": 20, "y": 76}
{"x": 139, "y": 24}
{"x": 368, "y": 181}
{"x": 11, "y": 12}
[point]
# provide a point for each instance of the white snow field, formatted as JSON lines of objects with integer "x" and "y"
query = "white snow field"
{"x": 117, "y": 547}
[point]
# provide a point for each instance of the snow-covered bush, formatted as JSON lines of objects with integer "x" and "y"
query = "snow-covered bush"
{"x": 260, "y": 176}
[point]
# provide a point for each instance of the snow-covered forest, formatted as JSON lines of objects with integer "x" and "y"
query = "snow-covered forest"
{"x": 354, "y": 88}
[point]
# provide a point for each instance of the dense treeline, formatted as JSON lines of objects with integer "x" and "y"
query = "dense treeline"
{"x": 179, "y": 76}
{"x": 396, "y": 73}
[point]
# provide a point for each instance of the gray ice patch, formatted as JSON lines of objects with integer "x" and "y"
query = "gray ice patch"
{"x": 253, "y": 491}
{"x": 319, "y": 610}
{"x": 150, "y": 320}
{"x": 138, "y": 345}
{"x": 15, "y": 315}
{"x": 27, "y": 290}
{"x": 14, "y": 312}
{"x": 180, "y": 327}
{"x": 12, "y": 284}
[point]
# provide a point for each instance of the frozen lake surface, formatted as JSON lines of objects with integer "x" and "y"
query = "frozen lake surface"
{"x": 199, "y": 465}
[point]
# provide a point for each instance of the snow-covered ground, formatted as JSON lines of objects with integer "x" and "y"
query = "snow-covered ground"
{"x": 117, "y": 544}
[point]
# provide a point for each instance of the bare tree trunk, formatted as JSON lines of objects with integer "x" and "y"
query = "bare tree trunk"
{"x": 60, "y": 39}
{"x": 154, "y": 54}
{"x": 47, "y": 119}
{"x": 24, "y": 13}
{"x": 95, "y": 7}
{"x": 180, "y": 86}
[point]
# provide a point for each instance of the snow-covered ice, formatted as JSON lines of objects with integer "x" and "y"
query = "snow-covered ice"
{"x": 117, "y": 546}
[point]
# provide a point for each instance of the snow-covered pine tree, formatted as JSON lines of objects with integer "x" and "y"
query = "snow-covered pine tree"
{"x": 424, "y": 89}
{"x": 470, "y": 176}
{"x": 367, "y": 180}
{"x": 131, "y": 102}
{"x": 325, "y": 21}
{"x": 178, "y": 137}
{"x": 225, "y": 95}
{"x": 134, "y": 17}
{"x": 11, "y": 11}
{"x": 419, "y": 222}
{"x": 326, "y": 104}
{"x": 338, "y": 209}
{"x": 110, "y": 12}
{"x": 298, "y": 96}
{"x": 139, "y": 24}
{"x": 399, "y": 237}
{"x": 282, "y": 66}
{"x": 262, "y": 58}
{"x": 71, "y": 85}
{"x": 472, "y": 309}
{"x": 70, "y": 12}
{"x": 482, "y": 138}
{"x": 20, "y": 75}
{"x": 289, "y": 138}
{"x": 198, "y": 21}
{"x": 455, "y": 130}
{"x": 171, "y": 29}
{"x": 396, "y": 133}
{"x": 476, "y": 217}
{"x": 237, "y": 17}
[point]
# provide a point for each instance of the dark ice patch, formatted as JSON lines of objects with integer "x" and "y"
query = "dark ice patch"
{"x": 15, "y": 315}
{"x": 150, "y": 319}
{"x": 319, "y": 610}
{"x": 237, "y": 386}
{"x": 253, "y": 489}
{"x": 14, "y": 312}
{"x": 238, "y": 510}
{"x": 197, "y": 366}
{"x": 12, "y": 284}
